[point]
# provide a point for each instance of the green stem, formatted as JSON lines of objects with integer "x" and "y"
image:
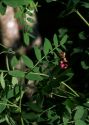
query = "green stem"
{"x": 81, "y": 16}
{"x": 70, "y": 89}
{"x": 3, "y": 46}
{"x": 48, "y": 109}
{"x": 21, "y": 95}
{"x": 9, "y": 105}
{"x": 66, "y": 92}
{"x": 7, "y": 63}
{"x": 41, "y": 74}
{"x": 44, "y": 57}
{"x": 3, "y": 52}
{"x": 59, "y": 95}
{"x": 71, "y": 122}
{"x": 22, "y": 122}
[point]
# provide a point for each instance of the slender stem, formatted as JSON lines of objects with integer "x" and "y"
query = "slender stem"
{"x": 21, "y": 95}
{"x": 48, "y": 109}
{"x": 5, "y": 71}
{"x": 44, "y": 57}
{"x": 67, "y": 92}
{"x": 59, "y": 95}
{"x": 9, "y": 105}
{"x": 41, "y": 74}
{"x": 3, "y": 52}
{"x": 22, "y": 122}
{"x": 3, "y": 46}
{"x": 70, "y": 89}
{"x": 71, "y": 122}
{"x": 81, "y": 16}
{"x": 7, "y": 64}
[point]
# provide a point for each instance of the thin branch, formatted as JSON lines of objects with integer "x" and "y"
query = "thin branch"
{"x": 81, "y": 16}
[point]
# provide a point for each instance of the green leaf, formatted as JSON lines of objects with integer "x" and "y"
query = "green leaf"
{"x": 84, "y": 65}
{"x": 2, "y": 119}
{"x": 79, "y": 113}
{"x": 9, "y": 120}
{"x": 16, "y": 3}
{"x": 28, "y": 62}
{"x": 55, "y": 40}
{"x": 14, "y": 61}
{"x": 80, "y": 122}
{"x": 12, "y": 92}
{"x": 69, "y": 76}
{"x": 2, "y": 81}
{"x": 85, "y": 114}
{"x": 76, "y": 50}
{"x": 12, "y": 121}
{"x": 72, "y": 4}
{"x": 75, "y": 1}
{"x": 17, "y": 89}
{"x": 14, "y": 81}
{"x": 62, "y": 32}
{"x": 85, "y": 4}
{"x": 34, "y": 76}
{"x": 56, "y": 59}
{"x": 52, "y": 116}
{"x": 35, "y": 107}
{"x": 37, "y": 52}
{"x": 64, "y": 39}
{"x": 82, "y": 35}
{"x": 26, "y": 38}
{"x": 69, "y": 105}
{"x": 47, "y": 46}
{"x": 17, "y": 73}
{"x": 2, "y": 105}
{"x": 30, "y": 116}
{"x": 36, "y": 69}
{"x": 65, "y": 121}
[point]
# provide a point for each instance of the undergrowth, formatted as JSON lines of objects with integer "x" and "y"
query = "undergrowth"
{"x": 59, "y": 69}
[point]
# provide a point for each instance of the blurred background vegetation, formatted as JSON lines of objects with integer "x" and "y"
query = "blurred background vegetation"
{"x": 59, "y": 69}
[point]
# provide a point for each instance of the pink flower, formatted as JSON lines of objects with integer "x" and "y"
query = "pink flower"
{"x": 63, "y": 65}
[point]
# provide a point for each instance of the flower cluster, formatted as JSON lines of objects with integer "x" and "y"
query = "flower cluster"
{"x": 64, "y": 62}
